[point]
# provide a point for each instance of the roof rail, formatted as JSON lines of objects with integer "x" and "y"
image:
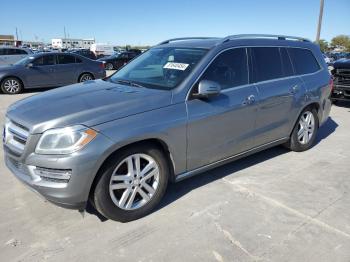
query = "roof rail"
{"x": 279, "y": 37}
{"x": 185, "y": 38}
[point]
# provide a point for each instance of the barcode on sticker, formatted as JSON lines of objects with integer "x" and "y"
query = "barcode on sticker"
{"x": 176, "y": 66}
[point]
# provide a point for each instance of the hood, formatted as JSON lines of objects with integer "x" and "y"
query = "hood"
{"x": 342, "y": 63}
{"x": 89, "y": 103}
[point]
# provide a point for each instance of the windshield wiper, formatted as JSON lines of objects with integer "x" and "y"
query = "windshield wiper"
{"x": 127, "y": 82}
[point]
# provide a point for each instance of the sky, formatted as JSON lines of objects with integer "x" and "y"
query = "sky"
{"x": 140, "y": 22}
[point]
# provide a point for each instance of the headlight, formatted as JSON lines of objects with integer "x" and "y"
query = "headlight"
{"x": 62, "y": 141}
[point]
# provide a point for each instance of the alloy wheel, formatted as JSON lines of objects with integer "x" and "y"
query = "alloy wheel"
{"x": 86, "y": 77}
{"x": 134, "y": 181}
{"x": 306, "y": 127}
{"x": 12, "y": 86}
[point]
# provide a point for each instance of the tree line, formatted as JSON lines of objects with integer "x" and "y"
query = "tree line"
{"x": 341, "y": 42}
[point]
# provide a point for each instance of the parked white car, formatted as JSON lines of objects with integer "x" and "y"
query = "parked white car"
{"x": 10, "y": 55}
{"x": 102, "y": 50}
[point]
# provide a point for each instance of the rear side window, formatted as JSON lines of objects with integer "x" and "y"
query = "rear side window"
{"x": 78, "y": 60}
{"x": 21, "y": 52}
{"x": 44, "y": 60}
{"x": 267, "y": 63}
{"x": 229, "y": 69}
{"x": 286, "y": 63}
{"x": 66, "y": 59}
{"x": 2, "y": 51}
{"x": 303, "y": 60}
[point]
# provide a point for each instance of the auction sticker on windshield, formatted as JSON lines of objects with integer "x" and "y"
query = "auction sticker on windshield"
{"x": 176, "y": 66}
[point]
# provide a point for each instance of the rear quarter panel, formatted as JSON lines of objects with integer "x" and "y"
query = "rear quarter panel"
{"x": 318, "y": 88}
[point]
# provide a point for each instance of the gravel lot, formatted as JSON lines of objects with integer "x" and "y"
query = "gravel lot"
{"x": 273, "y": 206}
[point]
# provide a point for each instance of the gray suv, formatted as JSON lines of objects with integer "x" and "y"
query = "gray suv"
{"x": 182, "y": 107}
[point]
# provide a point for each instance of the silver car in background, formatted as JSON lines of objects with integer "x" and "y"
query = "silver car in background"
{"x": 180, "y": 108}
{"x": 49, "y": 70}
{"x": 11, "y": 55}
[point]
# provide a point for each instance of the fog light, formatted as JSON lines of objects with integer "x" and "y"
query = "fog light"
{"x": 53, "y": 175}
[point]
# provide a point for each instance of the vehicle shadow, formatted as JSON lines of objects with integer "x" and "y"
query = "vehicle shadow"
{"x": 345, "y": 104}
{"x": 38, "y": 90}
{"x": 177, "y": 190}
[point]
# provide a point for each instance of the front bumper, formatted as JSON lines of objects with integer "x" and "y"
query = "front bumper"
{"x": 83, "y": 166}
{"x": 341, "y": 92}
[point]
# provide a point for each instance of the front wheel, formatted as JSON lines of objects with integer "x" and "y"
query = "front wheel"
{"x": 132, "y": 183}
{"x": 11, "y": 86}
{"x": 305, "y": 131}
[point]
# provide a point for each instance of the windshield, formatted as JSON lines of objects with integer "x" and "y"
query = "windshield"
{"x": 24, "y": 61}
{"x": 160, "y": 68}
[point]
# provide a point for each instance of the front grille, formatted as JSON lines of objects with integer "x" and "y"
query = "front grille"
{"x": 342, "y": 77}
{"x": 15, "y": 137}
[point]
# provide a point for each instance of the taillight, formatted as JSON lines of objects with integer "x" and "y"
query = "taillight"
{"x": 331, "y": 84}
{"x": 102, "y": 65}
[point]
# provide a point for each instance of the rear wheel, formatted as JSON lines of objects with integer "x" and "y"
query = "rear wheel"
{"x": 11, "y": 86}
{"x": 109, "y": 66}
{"x": 132, "y": 184}
{"x": 305, "y": 131}
{"x": 86, "y": 77}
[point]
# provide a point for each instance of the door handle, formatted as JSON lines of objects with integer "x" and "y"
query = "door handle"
{"x": 294, "y": 89}
{"x": 249, "y": 100}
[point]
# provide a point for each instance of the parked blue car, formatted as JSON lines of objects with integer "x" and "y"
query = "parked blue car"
{"x": 48, "y": 70}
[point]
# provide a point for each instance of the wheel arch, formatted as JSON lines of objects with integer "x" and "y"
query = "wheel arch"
{"x": 312, "y": 104}
{"x": 86, "y": 72}
{"x": 152, "y": 142}
{"x": 11, "y": 76}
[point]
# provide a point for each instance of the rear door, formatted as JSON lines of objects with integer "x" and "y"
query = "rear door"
{"x": 222, "y": 126}
{"x": 280, "y": 92}
{"x": 67, "y": 70}
{"x": 42, "y": 74}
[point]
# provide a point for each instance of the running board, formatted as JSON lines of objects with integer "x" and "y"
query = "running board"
{"x": 229, "y": 159}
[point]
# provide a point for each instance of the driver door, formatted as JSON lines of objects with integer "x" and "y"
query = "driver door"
{"x": 222, "y": 126}
{"x": 42, "y": 74}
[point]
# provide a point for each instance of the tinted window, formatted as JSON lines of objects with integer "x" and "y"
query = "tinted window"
{"x": 44, "y": 60}
{"x": 267, "y": 63}
{"x": 78, "y": 60}
{"x": 66, "y": 59}
{"x": 229, "y": 69}
{"x": 11, "y": 51}
{"x": 21, "y": 52}
{"x": 286, "y": 63}
{"x": 303, "y": 61}
{"x": 2, "y": 51}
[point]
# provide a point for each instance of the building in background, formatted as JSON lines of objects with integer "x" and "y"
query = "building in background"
{"x": 72, "y": 43}
{"x": 7, "y": 40}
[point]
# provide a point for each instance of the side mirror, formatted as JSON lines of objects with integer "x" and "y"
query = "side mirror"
{"x": 30, "y": 65}
{"x": 207, "y": 89}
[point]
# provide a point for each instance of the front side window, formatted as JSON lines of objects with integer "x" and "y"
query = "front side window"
{"x": 267, "y": 63}
{"x": 229, "y": 69}
{"x": 160, "y": 68}
{"x": 44, "y": 60}
{"x": 303, "y": 60}
{"x": 66, "y": 59}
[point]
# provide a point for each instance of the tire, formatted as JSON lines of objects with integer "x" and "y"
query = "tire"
{"x": 85, "y": 77}
{"x": 306, "y": 138}
{"x": 112, "y": 197}
{"x": 11, "y": 86}
{"x": 109, "y": 66}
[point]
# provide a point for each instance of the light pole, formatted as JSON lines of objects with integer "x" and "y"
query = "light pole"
{"x": 319, "y": 21}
